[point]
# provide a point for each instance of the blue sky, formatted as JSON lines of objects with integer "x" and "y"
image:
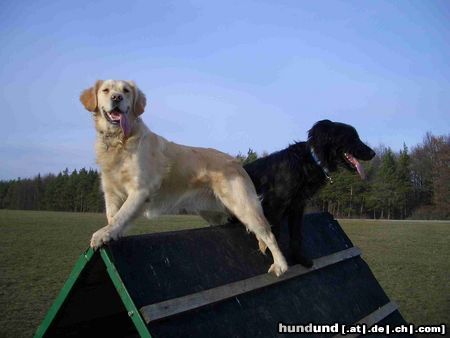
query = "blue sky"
{"x": 224, "y": 74}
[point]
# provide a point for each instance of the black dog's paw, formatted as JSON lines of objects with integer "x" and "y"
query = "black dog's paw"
{"x": 300, "y": 259}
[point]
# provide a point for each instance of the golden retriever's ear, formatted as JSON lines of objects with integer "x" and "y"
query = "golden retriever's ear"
{"x": 89, "y": 97}
{"x": 139, "y": 100}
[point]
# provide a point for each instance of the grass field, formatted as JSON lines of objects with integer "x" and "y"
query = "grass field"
{"x": 410, "y": 259}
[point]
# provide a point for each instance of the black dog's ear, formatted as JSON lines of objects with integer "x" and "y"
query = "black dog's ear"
{"x": 320, "y": 132}
{"x": 320, "y": 138}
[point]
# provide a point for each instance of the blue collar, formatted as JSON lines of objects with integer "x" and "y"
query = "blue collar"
{"x": 317, "y": 160}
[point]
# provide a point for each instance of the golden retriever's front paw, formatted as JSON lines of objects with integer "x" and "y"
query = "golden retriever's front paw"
{"x": 278, "y": 269}
{"x": 102, "y": 236}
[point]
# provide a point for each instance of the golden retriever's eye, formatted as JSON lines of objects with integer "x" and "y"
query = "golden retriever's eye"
{"x": 126, "y": 90}
{"x": 106, "y": 90}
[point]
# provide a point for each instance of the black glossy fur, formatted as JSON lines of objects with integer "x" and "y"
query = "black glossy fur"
{"x": 288, "y": 178}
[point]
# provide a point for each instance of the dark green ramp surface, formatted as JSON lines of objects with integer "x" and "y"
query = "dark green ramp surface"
{"x": 118, "y": 291}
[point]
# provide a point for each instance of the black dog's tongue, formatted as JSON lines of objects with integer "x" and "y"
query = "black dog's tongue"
{"x": 357, "y": 165}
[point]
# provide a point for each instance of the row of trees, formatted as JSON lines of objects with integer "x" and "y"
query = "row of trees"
{"x": 78, "y": 191}
{"x": 399, "y": 185}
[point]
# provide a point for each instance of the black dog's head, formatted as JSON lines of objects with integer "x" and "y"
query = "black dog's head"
{"x": 338, "y": 144}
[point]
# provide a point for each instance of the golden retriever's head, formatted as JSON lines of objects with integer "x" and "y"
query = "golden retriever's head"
{"x": 116, "y": 104}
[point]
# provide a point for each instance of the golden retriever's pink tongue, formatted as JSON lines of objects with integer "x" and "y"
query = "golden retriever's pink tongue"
{"x": 125, "y": 125}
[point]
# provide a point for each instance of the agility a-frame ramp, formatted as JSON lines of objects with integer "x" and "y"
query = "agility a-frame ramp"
{"x": 213, "y": 282}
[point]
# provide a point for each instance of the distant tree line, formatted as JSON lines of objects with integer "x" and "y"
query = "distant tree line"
{"x": 78, "y": 191}
{"x": 407, "y": 184}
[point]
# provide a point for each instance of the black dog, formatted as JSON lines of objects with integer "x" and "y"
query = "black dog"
{"x": 288, "y": 178}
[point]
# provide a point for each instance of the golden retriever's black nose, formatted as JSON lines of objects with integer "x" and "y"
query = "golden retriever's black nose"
{"x": 116, "y": 97}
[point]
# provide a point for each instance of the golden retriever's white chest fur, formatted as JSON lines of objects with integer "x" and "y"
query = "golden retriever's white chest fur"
{"x": 119, "y": 167}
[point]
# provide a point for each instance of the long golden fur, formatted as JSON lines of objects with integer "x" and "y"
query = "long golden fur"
{"x": 143, "y": 172}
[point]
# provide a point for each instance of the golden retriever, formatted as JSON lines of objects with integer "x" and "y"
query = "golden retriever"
{"x": 142, "y": 172}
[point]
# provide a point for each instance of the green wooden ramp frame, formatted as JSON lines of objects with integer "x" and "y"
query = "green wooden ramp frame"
{"x": 82, "y": 262}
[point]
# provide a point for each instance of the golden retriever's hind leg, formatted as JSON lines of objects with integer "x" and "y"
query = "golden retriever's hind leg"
{"x": 262, "y": 246}
{"x": 279, "y": 265}
{"x": 240, "y": 199}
